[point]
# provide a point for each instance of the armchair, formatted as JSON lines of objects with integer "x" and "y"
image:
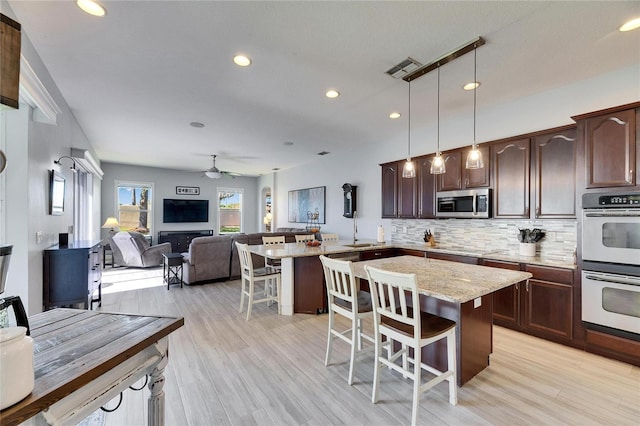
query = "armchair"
{"x": 133, "y": 249}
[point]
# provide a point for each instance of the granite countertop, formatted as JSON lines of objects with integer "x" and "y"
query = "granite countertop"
{"x": 455, "y": 282}
{"x": 281, "y": 251}
{"x": 502, "y": 255}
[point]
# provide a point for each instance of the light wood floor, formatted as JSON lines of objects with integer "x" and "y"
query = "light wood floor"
{"x": 270, "y": 371}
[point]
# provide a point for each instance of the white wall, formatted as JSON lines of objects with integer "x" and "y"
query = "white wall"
{"x": 541, "y": 111}
{"x": 165, "y": 182}
{"x": 31, "y": 148}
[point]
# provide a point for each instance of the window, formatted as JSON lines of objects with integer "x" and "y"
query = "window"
{"x": 229, "y": 211}
{"x": 135, "y": 201}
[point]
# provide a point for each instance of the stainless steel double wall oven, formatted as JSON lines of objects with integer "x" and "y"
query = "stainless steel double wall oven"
{"x": 611, "y": 263}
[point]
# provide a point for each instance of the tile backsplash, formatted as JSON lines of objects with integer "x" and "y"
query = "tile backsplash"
{"x": 488, "y": 235}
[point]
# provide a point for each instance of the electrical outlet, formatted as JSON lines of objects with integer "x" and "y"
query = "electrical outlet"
{"x": 404, "y": 230}
{"x": 38, "y": 237}
{"x": 393, "y": 228}
{"x": 477, "y": 302}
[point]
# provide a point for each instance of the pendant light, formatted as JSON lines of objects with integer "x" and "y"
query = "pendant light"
{"x": 437, "y": 165}
{"x": 474, "y": 159}
{"x": 409, "y": 171}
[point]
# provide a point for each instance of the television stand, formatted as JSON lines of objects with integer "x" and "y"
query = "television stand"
{"x": 180, "y": 240}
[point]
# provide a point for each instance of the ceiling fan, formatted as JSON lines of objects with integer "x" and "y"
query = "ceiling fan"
{"x": 215, "y": 173}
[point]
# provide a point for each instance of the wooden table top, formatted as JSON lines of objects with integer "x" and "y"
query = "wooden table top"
{"x": 72, "y": 347}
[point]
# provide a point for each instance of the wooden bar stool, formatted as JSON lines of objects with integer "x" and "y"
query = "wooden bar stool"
{"x": 396, "y": 321}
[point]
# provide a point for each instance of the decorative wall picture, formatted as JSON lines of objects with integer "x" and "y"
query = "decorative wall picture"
{"x": 302, "y": 201}
{"x": 56, "y": 193}
{"x": 187, "y": 190}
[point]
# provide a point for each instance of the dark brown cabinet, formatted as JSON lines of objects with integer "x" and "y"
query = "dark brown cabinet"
{"x": 72, "y": 275}
{"x": 541, "y": 306}
{"x": 426, "y": 188}
{"x": 459, "y": 177}
{"x": 389, "y": 190}
{"x": 408, "y": 198}
{"x": 511, "y": 162}
{"x": 378, "y": 253}
{"x": 452, "y": 257}
{"x": 10, "y": 40}
{"x": 610, "y": 149}
{"x": 554, "y": 174}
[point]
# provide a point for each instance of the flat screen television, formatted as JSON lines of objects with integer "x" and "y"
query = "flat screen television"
{"x": 178, "y": 211}
{"x": 56, "y": 193}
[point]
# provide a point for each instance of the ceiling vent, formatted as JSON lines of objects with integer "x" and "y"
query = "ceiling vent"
{"x": 404, "y": 68}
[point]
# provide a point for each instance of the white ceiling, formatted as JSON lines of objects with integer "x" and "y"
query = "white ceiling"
{"x": 136, "y": 78}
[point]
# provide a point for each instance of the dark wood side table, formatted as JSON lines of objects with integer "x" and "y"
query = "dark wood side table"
{"x": 171, "y": 267}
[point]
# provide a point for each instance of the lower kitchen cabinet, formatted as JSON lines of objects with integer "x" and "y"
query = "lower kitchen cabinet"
{"x": 541, "y": 306}
{"x": 452, "y": 257}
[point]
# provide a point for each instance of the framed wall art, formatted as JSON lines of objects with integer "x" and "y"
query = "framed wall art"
{"x": 303, "y": 201}
{"x": 187, "y": 190}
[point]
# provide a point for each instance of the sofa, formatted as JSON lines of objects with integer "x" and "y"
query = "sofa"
{"x": 207, "y": 259}
{"x": 131, "y": 248}
{"x": 216, "y": 258}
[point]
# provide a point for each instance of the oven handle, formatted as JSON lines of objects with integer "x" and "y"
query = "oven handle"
{"x": 616, "y": 214}
{"x": 475, "y": 200}
{"x": 609, "y": 280}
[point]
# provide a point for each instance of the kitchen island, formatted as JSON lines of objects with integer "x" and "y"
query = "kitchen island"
{"x": 457, "y": 291}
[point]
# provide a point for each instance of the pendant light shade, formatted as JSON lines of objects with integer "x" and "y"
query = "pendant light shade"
{"x": 437, "y": 165}
{"x": 409, "y": 171}
{"x": 474, "y": 159}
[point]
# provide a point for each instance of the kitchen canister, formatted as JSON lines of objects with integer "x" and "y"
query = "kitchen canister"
{"x": 16, "y": 365}
{"x": 528, "y": 249}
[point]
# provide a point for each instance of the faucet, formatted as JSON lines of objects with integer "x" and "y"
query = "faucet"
{"x": 355, "y": 226}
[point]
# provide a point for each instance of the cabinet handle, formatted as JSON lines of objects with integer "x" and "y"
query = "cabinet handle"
{"x": 537, "y": 211}
{"x": 377, "y": 254}
{"x": 458, "y": 182}
{"x": 630, "y": 176}
{"x": 527, "y": 286}
{"x": 517, "y": 286}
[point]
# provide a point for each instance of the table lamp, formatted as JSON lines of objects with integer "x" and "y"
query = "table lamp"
{"x": 110, "y": 223}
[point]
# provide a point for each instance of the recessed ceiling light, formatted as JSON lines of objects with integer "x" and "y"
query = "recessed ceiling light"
{"x": 471, "y": 86}
{"x": 196, "y": 124}
{"x": 241, "y": 60}
{"x": 331, "y": 93}
{"x": 395, "y": 115}
{"x": 631, "y": 25}
{"x": 91, "y": 7}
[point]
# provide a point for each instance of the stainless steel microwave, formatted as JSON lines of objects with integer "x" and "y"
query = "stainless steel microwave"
{"x": 466, "y": 203}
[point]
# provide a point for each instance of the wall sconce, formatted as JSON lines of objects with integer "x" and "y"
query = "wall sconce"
{"x": 110, "y": 223}
{"x": 73, "y": 166}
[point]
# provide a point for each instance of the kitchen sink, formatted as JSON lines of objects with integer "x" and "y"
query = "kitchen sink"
{"x": 360, "y": 245}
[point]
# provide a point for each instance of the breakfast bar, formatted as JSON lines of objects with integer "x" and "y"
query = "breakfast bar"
{"x": 457, "y": 291}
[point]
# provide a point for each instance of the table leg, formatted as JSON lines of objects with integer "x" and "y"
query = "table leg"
{"x": 286, "y": 274}
{"x": 156, "y": 385}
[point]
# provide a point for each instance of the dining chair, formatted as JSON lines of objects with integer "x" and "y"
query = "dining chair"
{"x": 304, "y": 238}
{"x": 250, "y": 275}
{"x": 345, "y": 299}
{"x": 399, "y": 320}
{"x": 329, "y": 237}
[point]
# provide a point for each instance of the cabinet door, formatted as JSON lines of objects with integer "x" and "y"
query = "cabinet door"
{"x": 389, "y": 189}
{"x": 554, "y": 167}
{"x": 476, "y": 178}
{"x": 450, "y": 180}
{"x": 610, "y": 149}
{"x": 407, "y": 195}
{"x": 426, "y": 188}
{"x": 506, "y": 301}
{"x": 511, "y": 179}
{"x": 548, "y": 309}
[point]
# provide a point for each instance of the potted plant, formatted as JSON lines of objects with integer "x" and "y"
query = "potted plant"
{"x": 528, "y": 239}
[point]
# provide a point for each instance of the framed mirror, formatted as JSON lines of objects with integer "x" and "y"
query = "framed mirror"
{"x": 56, "y": 193}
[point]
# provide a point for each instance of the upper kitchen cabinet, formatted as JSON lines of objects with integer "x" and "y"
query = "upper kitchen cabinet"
{"x": 510, "y": 161}
{"x": 398, "y": 194}
{"x": 389, "y": 190}
{"x": 458, "y": 177}
{"x": 426, "y": 188}
{"x": 609, "y": 147}
{"x": 554, "y": 174}
{"x": 408, "y": 198}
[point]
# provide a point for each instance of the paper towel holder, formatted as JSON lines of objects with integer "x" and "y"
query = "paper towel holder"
{"x": 349, "y": 193}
